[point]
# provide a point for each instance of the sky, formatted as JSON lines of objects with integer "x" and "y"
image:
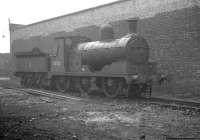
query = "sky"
{"x": 30, "y": 11}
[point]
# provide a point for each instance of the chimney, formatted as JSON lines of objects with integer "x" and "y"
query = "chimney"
{"x": 106, "y": 32}
{"x": 132, "y": 23}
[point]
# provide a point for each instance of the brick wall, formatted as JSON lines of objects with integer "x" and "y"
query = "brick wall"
{"x": 174, "y": 38}
{"x": 117, "y": 11}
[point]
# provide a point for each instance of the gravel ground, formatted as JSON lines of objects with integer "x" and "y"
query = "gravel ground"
{"x": 28, "y": 117}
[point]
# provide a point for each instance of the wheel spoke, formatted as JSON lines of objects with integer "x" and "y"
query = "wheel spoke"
{"x": 22, "y": 81}
{"x": 85, "y": 86}
{"x": 111, "y": 87}
{"x": 62, "y": 84}
{"x": 41, "y": 82}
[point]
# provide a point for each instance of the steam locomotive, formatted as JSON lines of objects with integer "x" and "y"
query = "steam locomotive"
{"x": 109, "y": 66}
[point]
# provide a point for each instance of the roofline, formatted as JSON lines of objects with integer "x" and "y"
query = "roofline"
{"x": 73, "y": 13}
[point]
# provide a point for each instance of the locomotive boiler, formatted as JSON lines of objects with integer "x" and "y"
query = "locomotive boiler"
{"x": 110, "y": 66}
{"x": 131, "y": 48}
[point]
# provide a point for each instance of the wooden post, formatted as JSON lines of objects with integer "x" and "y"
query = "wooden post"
{"x": 9, "y": 34}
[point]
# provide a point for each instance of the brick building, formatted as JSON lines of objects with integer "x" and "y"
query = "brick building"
{"x": 15, "y": 26}
{"x": 172, "y": 28}
{"x": 5, "y": 68}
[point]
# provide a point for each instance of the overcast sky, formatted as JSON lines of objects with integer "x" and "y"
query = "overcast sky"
{"x": 30, "y": 11}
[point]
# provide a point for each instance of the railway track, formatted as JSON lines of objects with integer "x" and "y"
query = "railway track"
{"x": 163, "y": 102}
{"x": 46, "y": 93}
{"x": 173, "y": 103}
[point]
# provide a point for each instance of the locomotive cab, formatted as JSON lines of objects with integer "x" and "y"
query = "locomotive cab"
{"x": 67, "y": 58}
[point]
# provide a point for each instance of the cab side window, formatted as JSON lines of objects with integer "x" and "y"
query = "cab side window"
{"x": 57, "y": 46}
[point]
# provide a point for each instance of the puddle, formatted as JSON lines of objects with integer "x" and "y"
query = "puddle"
{"x": 2, "y": 93}
{"x": 135, "y": 118}
{"x": 110, "y": 117}
{"x": 31, "y": 101}
{"x": 4, "y": 78}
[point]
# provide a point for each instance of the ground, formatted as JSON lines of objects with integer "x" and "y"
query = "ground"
{"x": 24, "y": 116}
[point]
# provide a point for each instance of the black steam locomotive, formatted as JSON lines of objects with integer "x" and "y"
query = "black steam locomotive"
{"x": 110, "y": 66}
